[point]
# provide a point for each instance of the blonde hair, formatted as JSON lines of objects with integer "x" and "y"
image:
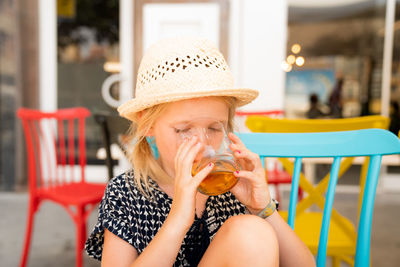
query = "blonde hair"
{"x": 140, "y": 153}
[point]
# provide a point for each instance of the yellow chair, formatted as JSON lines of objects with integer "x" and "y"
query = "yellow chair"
{"x": 264, "y": 124}
{"x": 342, "y": 236}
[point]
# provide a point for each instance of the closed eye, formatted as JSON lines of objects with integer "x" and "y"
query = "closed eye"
{"x": 184, "y": 130}
{"x": 215, "y": 129}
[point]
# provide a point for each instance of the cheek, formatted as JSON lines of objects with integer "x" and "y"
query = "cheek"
{"x": 165, "y": 150}
{"x": 166, "y": 147}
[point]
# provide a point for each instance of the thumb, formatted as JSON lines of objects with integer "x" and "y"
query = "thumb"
{"x": 199, "y": 177}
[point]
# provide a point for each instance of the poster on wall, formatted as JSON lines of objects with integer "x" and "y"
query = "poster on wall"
{"x": 300, "y": 84}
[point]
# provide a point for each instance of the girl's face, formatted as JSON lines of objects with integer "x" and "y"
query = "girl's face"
{"x": 168, "y": 128}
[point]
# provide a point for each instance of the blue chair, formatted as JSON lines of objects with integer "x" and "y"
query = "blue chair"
{"x": 373, "y": 143}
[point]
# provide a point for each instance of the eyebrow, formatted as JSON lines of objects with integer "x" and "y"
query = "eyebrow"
{"x": 189, "y": 121}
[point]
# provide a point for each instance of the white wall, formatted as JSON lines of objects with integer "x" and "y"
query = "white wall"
{"x": 258, "y": 33}
{"x": 47, "y": 55}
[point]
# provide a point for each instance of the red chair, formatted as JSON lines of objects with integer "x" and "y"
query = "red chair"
{"x": 276, "y": 176}
{"x": 56, "y": 153}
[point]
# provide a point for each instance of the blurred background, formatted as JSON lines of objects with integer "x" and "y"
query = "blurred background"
{"x": 343, "y": 55}
{"x": 56, "y": 54}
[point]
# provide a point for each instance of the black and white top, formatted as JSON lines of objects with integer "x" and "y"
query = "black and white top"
{"x": 127, "y": 213}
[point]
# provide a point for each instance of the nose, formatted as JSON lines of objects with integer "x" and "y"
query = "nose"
{"x": 202, "y": 135}
{"x": 203, "y": 138}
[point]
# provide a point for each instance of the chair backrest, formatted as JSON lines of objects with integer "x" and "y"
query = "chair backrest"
{"x": 265, "y": 124}
{"x": 275, "y": 125}
{"x": 373, "y": 143}
{"x": 55, "y": 146}
{"x": 112, "y": 126}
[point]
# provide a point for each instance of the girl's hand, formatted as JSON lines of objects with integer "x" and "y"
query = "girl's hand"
{"x": 185, "y": 188}
{"x": 252, "y": 188}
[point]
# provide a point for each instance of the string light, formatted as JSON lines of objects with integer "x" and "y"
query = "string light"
{"x": 113, "y": 67}
{"x": 296, "y": 48}
{"x": 291, "y": 59}
{"x": 300, "y": 61}
{"x": 286, "y": 66}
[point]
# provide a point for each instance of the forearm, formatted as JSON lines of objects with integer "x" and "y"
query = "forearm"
{"x": 164, "y": 248}
{"x": 292, "y": 251}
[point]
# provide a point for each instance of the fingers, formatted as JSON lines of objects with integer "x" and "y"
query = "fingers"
{"x": 199, "y": 177}
{"x": 252, "y": 160}
{"x": 249, "y": 175}
{"x": 236, "y": 141}
{"x": 186, "y": 154}
{"x": 188, "y": 159}
{"x": 183, "y": 165}
{"x": 185, "y": 146}
{"x": 247, "y": 154}
{"x": 237, "y": 144}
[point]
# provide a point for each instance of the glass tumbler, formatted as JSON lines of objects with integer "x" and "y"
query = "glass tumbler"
{"x": 216, "y": 149}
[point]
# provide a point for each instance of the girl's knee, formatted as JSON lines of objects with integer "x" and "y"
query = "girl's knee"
{"x": 247, "y": 223}
{"x": 250, "y": 230}
{"x": 247, "y": 239}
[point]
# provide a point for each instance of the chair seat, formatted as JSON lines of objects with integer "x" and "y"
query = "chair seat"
{"x": 74, "y": 193}
{"x": 278, "y": 177}
{"x": 308, "y": 226}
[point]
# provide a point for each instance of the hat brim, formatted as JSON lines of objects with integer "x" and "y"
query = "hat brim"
{"x": 131, "y": 107}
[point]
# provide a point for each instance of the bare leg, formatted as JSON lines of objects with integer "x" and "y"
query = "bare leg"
{"x": 243, "y": 240}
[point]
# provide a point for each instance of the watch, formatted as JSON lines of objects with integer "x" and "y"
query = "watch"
{"x": 271, "y": 207}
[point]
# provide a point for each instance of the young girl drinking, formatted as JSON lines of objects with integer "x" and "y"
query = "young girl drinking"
{"x": 153, "y": 215}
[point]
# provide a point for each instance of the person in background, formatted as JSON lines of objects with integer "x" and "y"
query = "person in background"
{"x": 335, "y": 100}
{"x": 314, "y": 111}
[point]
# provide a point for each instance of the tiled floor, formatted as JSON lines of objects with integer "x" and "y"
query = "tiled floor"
{"x": 54, "y": 234}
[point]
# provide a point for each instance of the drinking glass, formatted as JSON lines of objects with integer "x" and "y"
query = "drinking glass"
{"x": 216, "y": 149}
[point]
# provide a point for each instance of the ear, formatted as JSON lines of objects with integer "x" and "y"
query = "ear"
{"x": 150, "y": 132}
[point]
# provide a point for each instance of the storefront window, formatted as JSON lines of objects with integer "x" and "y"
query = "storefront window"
{"x": 87, "y": 40}
{"x": 335, "y": 53}
{"x": 8, "y": 89}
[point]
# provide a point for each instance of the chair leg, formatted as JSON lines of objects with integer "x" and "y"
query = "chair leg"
{"x": 28, "y": 232}
{"x": 300, "y": 194}
{"x": 80, "y": 235}
{"x": 335, "y": 261}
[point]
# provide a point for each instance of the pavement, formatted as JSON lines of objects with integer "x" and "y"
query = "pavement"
{"x": 53, "y": 240}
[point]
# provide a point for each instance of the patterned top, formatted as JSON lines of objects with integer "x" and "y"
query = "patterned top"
{"x": 127, "y": 213}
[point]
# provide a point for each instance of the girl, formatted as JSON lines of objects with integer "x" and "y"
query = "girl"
{"x": 153, "y": 215}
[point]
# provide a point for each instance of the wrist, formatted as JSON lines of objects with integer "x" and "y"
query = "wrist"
{"x": 270, "y": 208}
{"x": 256, "y": 209}
{"x": 177, "y": 223}
{"x": 253, "y": 211}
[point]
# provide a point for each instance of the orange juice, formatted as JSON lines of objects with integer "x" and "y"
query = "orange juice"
{"x": 221, "y": 178}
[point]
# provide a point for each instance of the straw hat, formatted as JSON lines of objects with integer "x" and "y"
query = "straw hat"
{"x": 182, "y": 68}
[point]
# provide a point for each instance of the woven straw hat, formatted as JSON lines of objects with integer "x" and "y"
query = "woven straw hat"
{"x": 182, "y": 68}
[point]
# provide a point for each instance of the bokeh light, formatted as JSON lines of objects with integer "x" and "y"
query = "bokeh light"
{"x": 296, "y": 48}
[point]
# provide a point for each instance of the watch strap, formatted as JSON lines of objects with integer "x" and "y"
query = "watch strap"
{"x": 271, "y": 207}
